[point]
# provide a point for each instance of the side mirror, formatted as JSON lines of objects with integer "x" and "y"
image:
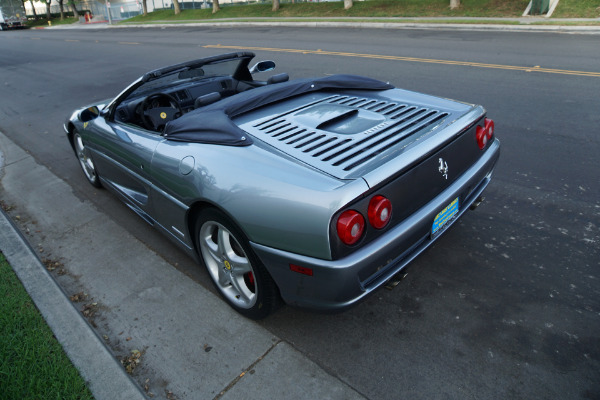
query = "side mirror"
{"x": 263, "y": 66}
{"x": 89, "y": 114}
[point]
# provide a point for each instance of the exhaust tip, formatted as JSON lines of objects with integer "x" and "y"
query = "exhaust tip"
{"x": 395, "y": 280}
{"x": 477, "y": 202}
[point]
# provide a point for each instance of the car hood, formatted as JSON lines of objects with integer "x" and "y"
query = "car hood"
{"x": 358, "y": 133}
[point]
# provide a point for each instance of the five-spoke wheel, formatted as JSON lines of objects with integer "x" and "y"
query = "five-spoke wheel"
{"x": 236, "y": 272}
{"x": 85, "y": 161}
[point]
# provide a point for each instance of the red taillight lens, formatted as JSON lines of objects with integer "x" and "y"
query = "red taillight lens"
{"x": 380, "y": 211}
{"x": 484, "y": 134}
{"x": 350, "y": 226}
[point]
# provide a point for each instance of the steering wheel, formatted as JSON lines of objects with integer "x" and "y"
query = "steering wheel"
{"x": 158, "y": 109}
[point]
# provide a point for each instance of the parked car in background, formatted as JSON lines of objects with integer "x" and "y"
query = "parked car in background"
{"x": 311, "y": 191}
{"x": 12, "y": 15}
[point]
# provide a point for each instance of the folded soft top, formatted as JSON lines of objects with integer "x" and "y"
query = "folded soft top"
{"x": 213, "y": 123}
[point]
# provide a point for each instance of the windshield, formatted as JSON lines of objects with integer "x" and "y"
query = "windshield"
{"x": 187, "y": 74}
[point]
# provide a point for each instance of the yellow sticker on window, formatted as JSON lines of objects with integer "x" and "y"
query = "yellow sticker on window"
{"x": 163, "y": 115}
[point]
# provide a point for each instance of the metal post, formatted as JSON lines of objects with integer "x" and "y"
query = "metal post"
{"x": 108, "y": 12}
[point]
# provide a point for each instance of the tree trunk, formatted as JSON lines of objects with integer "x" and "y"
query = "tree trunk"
{"x": 48, "y": 16}
{"x": 275, "y": 5}
{"x": 74, "y": 8}
{"x": 454, "y": 4}
{"x": 216, "y": 6}
{"x": 348, "y": 4}
{"x": 62, "y": 9}
{"x": 33, "y": 9}
{"x": 145, "y": 7}
{"x": 176, "y": 7}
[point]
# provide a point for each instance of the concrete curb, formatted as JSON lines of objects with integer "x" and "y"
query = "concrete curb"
{"x": 104, "y": 375}
{"x": 385, "y": 25}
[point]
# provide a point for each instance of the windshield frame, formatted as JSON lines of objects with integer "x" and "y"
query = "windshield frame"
{"x": 240, "y": 72}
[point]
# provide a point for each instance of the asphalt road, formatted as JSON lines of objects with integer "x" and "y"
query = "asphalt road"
{"x": 506, "y": 305}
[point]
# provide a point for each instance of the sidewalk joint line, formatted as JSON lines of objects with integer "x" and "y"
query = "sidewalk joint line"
{"x": 240, "y": 376}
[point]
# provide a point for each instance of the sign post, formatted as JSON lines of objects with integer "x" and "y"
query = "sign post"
{"x": 108, "y": 12}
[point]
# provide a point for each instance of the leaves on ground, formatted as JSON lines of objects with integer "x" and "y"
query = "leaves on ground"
{"x": 170, "y": 395}
{"x": 89, "y": 310}
{"x": 52, "y": 265}
{"x": 132, "y": 361}
{"x": 147, "y": 388}
{"x": 78, "y": 297}
{"x": 6, "y": 207}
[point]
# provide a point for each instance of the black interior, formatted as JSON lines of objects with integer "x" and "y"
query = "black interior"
{"x": 180, "y": 99}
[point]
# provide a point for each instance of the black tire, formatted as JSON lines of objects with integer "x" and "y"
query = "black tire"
{"x": 85, "y": 160}
{"x": 234, "y": 269}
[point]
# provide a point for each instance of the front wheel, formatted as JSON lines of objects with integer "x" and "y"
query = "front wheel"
{"x": 85, "y": 160}
{"x": 234, "y": 269}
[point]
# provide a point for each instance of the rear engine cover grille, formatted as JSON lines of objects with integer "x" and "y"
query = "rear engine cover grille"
{"x": 342, "y": 134}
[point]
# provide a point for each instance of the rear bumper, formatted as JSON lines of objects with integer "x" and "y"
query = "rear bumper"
{"x": 12, "y": 25}
{"x": 338, "y": 284}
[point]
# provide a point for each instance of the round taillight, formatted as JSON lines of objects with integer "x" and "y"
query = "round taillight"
{"x": 380, "y": 211}
{"x": 484, "y": 134}
{"x": 350, "y": 226}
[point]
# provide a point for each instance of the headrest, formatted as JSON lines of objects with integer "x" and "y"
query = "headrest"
{"x": 207, "y": 99}
{"x": 279, "y": 78}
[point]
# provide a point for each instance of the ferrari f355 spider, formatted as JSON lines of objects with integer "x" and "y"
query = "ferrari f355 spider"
{"x": 311, "y": 191}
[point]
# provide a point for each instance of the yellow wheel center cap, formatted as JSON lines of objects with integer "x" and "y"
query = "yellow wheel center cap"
{"x": 227, "y": 265}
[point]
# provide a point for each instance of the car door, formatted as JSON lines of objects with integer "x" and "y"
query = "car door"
{"x": 123, "y": 157}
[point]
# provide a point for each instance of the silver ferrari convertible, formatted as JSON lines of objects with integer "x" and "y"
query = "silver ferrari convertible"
{"x": 314, "y": 192}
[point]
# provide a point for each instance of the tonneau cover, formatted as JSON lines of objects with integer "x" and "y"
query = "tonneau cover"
{"x": 212, "y": 124}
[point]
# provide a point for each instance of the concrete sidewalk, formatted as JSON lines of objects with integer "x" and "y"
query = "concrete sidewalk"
{"x": 193, "y": 345}
{"x": 530, "y": 24}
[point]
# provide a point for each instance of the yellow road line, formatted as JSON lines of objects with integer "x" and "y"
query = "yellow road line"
{"x": 128, "y": 43}
{"x": 414, "y": 59}
{"x": 71, "y": 40}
